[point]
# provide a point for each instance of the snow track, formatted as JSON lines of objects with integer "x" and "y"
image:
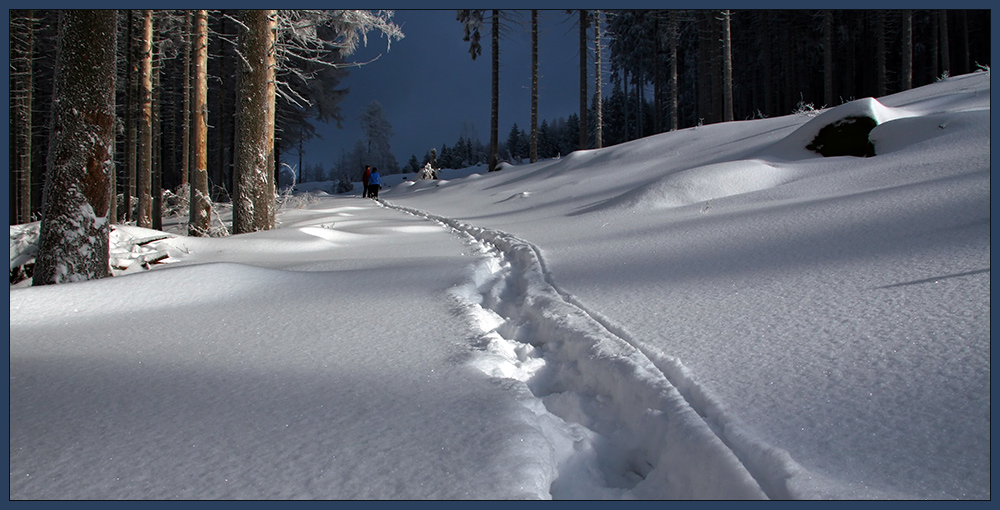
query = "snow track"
{"x": 635, "y": 421}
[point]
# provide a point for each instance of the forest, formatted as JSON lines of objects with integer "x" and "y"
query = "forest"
{"x": 111, "y": 111}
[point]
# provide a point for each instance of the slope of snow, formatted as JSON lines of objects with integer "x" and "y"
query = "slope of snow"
{"x": 711, "y": 313}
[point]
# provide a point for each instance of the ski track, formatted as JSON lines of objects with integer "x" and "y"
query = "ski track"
{"x": 637, "y": 421}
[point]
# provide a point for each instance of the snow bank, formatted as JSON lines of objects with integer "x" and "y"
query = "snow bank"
{"x": 793, "y": 146}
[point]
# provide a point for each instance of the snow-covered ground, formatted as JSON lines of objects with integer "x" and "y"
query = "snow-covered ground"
{"x": 711, "y": 313}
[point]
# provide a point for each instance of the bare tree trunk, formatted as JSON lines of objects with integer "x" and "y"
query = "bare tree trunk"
{"x": 727, "y": 69}
{"x": 963, "y": 18}
{"x": 186, "y": 127}
{"x": 945, "y": 50}
{"x": 131, "y": 101}
{"x": 534, "y": 86}
{"x": 144, "y": 171}
{"x": 583, "y": 79}
{"x": 223, "y": 141}
{"x": 253, "y": 201}
{"x": 640, "y": 100}
{"x": 704, "y": 75}
{"x": 766, "y": 63}
{"x": 715, "y": 48}
{"x": 270, "y": 62}
{"x": 657, "y": 73}
{"x": 73, "y": 238}
{"x": 156, "y": 145}
{"x": 788, "y": 45}
{"x": 625, "y": 107}
{"x": 934, "y": 48}
{"x": 495, "y": 99}
{"x": 22, "y": 44}
{"x": 200, "y": 216}
{"x": 672, "y": 70}
{"x": 828, "y": 58}
{"x": 598, "y": 78}
{"x": 906, "y": 77}
{"x": 881, "y": 81}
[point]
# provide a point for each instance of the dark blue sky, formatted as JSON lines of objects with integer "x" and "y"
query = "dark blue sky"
{"x": 430, "y": 88}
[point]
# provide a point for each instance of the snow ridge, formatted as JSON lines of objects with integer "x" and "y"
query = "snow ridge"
{"x": 640, "y": 426}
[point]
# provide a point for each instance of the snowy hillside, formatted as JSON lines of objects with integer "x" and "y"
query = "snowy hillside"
{"x": 712, "y": 313}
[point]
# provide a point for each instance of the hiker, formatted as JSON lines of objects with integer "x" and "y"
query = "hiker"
{"x": 374, "y": 183}
{"x": 364, "y": 181}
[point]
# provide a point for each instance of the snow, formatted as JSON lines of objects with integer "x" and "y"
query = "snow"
{"x": 712, "y": 313}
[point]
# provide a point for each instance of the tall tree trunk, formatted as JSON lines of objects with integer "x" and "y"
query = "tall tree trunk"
{"x": 22, "y": 53}
{"x": 224, "y": 137}
{"x": 495, "y": 96}
{"x": 253, "y": 201}
{"x": 144, "y": 170}
{"x": 583, "y": 79}
{"x": 963, "y": 18}
{"x": 598, "y": 78}
{"x": 828, "y": 58}
{"x": 625, "y": 108}
{"x": 788, "y": 45}
{"x": 200, "y": 216}
{"x": 881, "y": 81}
{"x": 672, "y": 70}
{"x": 271, "y": 63}
{"x": 186, "y": 123}
{"x": 533, "y": 151}
{"x": 715, "y": 48}
{"x": 156, "y": 145}
{"x": 945, "y": 50}
{"x": 851, "y": 87}
{"x": 934, "y": 47}
{"x": 640, "y": 101}
{"x": 704, "y": 68}
{"x": 765, "y": 50}
{"x": 73, "y": 238}
{"x": 657, "y": 72}
{"x": 906, "y": 76}
{"x": 727, "y": 68}
{"x": 131, "y": 124}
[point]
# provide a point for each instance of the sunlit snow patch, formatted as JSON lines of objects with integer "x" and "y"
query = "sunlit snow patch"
{"x": 701, "y": 184}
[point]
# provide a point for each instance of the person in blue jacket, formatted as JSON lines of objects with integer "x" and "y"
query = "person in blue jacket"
{"x": 374, "y": 183}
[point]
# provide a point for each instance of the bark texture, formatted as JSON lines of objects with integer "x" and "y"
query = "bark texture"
{"x": 73, "y": 239}
{"x": 253, "y": 204}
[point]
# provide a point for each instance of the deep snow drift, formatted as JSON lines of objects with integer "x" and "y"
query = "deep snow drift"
{"x": 710, "y": 313}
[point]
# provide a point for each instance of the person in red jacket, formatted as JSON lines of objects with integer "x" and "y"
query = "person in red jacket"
{"x": 364, "y": 181}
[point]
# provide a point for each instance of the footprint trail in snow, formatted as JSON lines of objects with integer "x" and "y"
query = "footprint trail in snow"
{"x": 628, "y": 420}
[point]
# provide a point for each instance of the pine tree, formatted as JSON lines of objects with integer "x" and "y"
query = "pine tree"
{"x": 513, "y": 139}
{"x": 377, "y": 132}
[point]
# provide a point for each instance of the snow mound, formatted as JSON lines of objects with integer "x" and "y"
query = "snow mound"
{"x": 793, "y": 146}
{"x": 702, "y": 184}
